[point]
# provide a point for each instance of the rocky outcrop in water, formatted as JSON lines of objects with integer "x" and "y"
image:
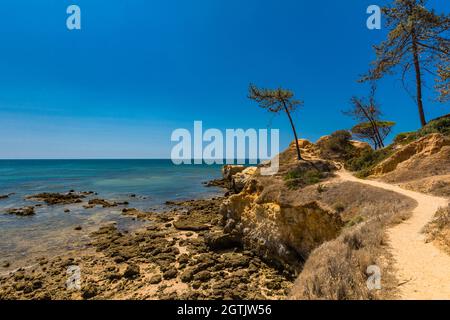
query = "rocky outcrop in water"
{"x": 22, "y": 212}
{"x": 58, "y": 198}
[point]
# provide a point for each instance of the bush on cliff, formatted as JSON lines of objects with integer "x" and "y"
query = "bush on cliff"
{"x": 298, "y": 178}
{"x": 364, "y": 162}
{"x": 337, "y": 146}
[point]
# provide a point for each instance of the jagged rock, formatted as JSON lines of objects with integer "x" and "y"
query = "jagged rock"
{"x": 221, "y": 241}
{"x": 132, "y": 271}
{"x": 57, "y": 198}
{"x": 240, "y": 179}
{"x": 170, "y": 274}
{"x": 202, "y": 276}
{"x": 101, "y": 202}
{"x": 406, "y": 156}
{"x": 228, "y": 171}
{"x": 23, "y": 212}
{"x": 187, "y": 276}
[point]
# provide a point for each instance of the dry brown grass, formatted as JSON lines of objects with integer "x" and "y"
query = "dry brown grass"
{"x": 337, "y": 269}
{"x": 438, "y": 230}
{"x": 436, "y": 185}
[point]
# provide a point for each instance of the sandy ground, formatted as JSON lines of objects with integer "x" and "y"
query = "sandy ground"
{"x": 423, "y": 270}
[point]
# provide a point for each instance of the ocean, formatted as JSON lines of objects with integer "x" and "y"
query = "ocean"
{"x": 153, "y": 182}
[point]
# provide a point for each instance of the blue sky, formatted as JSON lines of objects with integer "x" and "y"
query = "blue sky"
{"x": 139, "y": 69}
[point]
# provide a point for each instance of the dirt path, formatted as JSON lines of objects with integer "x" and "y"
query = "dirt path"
{"x": 422, "y": 269}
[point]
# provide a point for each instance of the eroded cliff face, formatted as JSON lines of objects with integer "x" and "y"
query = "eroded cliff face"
{"x": 421, "y": 150}
{"x": 267, "y": 221}
{"x": 428, "y": 156}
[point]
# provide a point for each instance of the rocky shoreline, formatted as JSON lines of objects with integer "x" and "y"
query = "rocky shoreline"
{"x": 183, "y": 253}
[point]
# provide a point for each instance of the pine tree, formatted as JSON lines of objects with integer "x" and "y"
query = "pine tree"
{"x": 276, "y": 101}
{"x": 418, "y": 40}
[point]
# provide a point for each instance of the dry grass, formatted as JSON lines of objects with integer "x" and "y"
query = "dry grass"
{"x": 436, "y": 185}
{"x": 337, "y": 269}
{"x": 438, "y": 230}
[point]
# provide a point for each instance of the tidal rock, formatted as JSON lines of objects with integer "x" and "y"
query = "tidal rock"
{"x": 23, "y": 212}
{"x": 57, "y": 198}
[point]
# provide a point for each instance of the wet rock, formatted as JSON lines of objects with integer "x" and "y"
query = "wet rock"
{"x": 6, "y": 264}
{"x": 132, "y": 271}
{"x": 67, "y": 211}
{"x": 22, "y": 212}
{"x": 221, "y": 183}
{"x": 78, "y": 228}
{"x": 57, "y": 198}
{"x": 101, "y": 202}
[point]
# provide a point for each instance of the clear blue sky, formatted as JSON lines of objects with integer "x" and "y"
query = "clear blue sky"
{"x": 139, "y": 69}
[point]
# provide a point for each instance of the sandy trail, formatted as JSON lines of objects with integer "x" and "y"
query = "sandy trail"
{"x": 422, "y": 269}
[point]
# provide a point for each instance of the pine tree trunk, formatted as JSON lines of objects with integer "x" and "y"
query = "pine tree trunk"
{"x": 418, "y": 79}
{"x": 299, "y": 156}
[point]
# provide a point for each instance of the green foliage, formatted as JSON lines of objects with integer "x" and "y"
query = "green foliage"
{"x": 440, "y": 125}
{"x": 298, "y": 178}
{"x": 374, "y": 132}
{"x": 355, "y": 221}
{"x": 337, "y": 146}
{"x": 405, "y": 138}
{"x": 366, "y": 160}
{"x": 364, "y": 163}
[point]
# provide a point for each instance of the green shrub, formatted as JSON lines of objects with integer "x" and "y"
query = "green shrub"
{"x": 299, "y": 178}
{"x": 337, "y": 146}
{"x": 440, "y": 125}
{"x": 405, "y": 138}
{"x": 369, "y": 158}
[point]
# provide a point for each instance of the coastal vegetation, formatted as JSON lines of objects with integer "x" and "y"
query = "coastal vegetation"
{"x": 417, "y": 40}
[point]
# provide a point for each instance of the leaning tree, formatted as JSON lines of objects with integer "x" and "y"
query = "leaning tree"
{"x": 417, "y": 40}
{"x": 276, "y": 101}
{"x": 365, "y": 131}
{"x": 368, "y": 113}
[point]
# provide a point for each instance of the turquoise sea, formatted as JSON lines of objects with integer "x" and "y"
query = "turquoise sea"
{"x": 153, "y": 182}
